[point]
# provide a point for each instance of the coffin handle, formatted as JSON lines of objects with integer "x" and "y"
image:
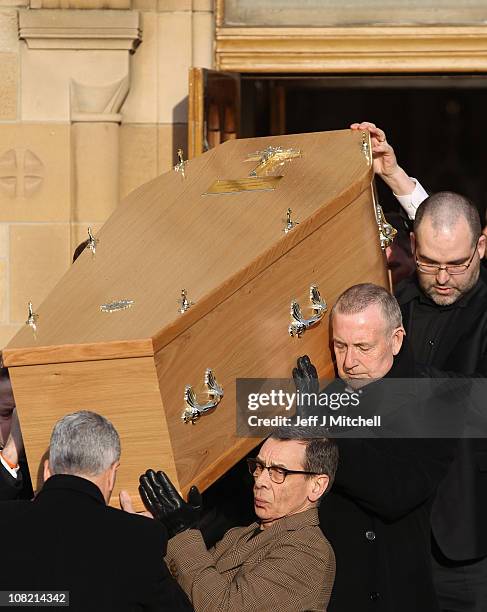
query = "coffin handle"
{"x": 299, "y": 324}
{"x": 194, "y": 409}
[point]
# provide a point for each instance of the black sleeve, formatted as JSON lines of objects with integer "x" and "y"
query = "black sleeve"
{"x": 391, "y": 477}
{"x": 160, "y": 591}
{"x": 10, "y": 487}
{"x": 168, "y": 595}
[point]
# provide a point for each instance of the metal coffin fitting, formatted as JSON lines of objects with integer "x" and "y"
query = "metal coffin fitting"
{"x": 194, "y": 409}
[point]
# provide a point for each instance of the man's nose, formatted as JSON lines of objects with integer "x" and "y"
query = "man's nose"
{"x": 442, "y": 276}
{"x": 263, "y": 479}
{"x": 350, "y": 358}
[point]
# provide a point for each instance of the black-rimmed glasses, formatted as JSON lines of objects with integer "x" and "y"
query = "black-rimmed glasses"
{"x": 452, "y": 270}
{"x": 276, "y": 474}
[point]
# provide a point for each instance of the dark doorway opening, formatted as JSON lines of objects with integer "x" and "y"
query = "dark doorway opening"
{"x": 436, "y": 123}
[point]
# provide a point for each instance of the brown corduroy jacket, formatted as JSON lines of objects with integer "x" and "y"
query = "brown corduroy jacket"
{"x": 288, "y": 567}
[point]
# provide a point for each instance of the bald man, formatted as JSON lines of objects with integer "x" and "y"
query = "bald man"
{"x": 444, "y": 309}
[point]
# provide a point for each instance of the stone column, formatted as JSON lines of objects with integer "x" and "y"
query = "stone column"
{"x": 65, "y": 75}
{"x": 178, "y": 34}
{"x": 95, "y": 145}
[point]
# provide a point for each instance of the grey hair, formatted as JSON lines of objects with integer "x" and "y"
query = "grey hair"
{"x": 357, "y": 298}
{"x": 321, "y": 455}
{"x": 83, "y": 443}
{"x": 445, "y": 209}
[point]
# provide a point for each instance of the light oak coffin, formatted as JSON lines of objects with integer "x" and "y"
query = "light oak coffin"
{"x": 241, "y": 271}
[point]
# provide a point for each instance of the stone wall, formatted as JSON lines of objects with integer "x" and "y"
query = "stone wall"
{"x": 93, "y": 103}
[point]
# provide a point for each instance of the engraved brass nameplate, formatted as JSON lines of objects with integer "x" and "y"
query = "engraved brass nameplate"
{"x": 245, "y": 184}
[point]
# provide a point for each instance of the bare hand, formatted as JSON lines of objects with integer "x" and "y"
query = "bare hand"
{"x": 385, "y": 161}
{"x": 127, "y": 505}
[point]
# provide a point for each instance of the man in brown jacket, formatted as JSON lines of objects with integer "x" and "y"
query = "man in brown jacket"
{"x": 282, "y": 562}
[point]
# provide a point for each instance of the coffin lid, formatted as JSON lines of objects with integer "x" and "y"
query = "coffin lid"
{"x": 166, "y": 236}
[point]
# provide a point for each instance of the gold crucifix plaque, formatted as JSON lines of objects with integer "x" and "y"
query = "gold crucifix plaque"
{"x": 270, "y": 159}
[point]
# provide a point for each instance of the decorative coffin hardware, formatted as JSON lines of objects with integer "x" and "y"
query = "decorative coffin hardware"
{"x": 270, "y": 159}
{"x": 194, "y": 410}
{"x": 181, "y": 165}
{"x": 32, "y": 318}
{"x": 183, "y": 302}
{"x": 289, "y": 224}
{"x": 366, "y": 147}
{"x": 230, "y": 252}
{"x": 387, "y": 233}
{"x": 298, "y": 323}
{"x": 92, "y": 242}
{"x": 117, "y": 305}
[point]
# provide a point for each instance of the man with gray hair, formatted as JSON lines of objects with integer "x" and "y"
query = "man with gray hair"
{"x": 377, "y": 514}
{"x": 280, "y": 562}
{"x": 374, "y": 314}
{"x": 69, "y": 540}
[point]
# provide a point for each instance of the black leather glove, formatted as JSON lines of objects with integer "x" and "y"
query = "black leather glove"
{"x": 306, "y": 381}
{"x": 166, "y": 505}
{"x": 305, "y": 376}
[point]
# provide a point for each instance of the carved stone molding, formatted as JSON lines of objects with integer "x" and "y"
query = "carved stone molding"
{"x": 13, "y": 3}
{"x": 94, "y": 103}
{"x": 80, "y": 4}
{"x": 53, "y": 29}
{"x": 352, "y": 49}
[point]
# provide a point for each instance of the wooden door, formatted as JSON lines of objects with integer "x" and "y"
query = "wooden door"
{"x": 214, "y": 109}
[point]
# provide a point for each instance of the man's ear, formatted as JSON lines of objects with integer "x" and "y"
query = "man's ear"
{"x": 481, "y": 246}
{"x": 47, "y": 471}
{"x": 319, "y": 485}
{"x": 397, "y": 339}
{"x": 412, "y": 238}
{"x": 112, "y": 475}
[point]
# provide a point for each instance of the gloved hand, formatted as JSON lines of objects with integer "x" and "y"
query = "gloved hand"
{"x": 306, "y": 381}
{"x": 166, "y": 505}
{"x": 305, "y": 376}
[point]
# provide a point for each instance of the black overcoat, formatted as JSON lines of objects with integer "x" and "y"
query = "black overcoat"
{"x": 458, "y": 519}
{"x": 377, "y": 514}
{"x": 67, "y": 539}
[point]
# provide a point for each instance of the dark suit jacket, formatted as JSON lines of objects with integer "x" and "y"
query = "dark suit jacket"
{"x": 10, "y": 487}
{"x": 462, "y": 349}
{"x": 458, "y": 519}
{"x": 15, "y": 488}
{"x": 68, "y": 539}
{"x": 377, "y": 514}
{"x": 288, "y": 567}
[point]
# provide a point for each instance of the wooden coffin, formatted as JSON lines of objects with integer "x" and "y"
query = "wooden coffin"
{"x": 241, "y": 270}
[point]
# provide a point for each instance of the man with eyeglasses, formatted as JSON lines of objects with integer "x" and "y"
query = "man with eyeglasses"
{"x": 281, "y": 562}
{"x": 444, "y": 305}
{"x": 444, "y": 309}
